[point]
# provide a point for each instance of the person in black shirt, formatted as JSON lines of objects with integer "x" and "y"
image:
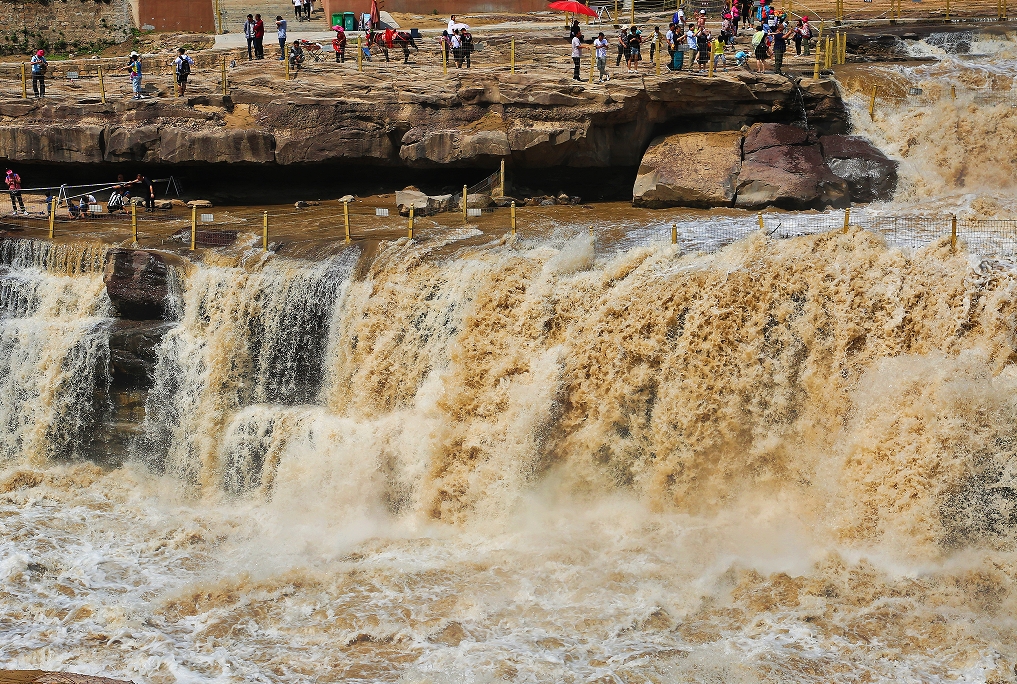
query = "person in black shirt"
{"x": 147, "y": 190}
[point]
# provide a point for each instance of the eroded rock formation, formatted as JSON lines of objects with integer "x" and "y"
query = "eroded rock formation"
{"x": 769, "y": 165}
{"x": 469, "y": 120}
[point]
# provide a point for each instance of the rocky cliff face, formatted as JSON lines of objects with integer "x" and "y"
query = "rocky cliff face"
{"x": 534, "y": 121}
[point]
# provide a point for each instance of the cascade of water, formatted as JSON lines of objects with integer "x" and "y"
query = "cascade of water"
{"x": 54, "y": 348}
{"x": 252, "y": 333}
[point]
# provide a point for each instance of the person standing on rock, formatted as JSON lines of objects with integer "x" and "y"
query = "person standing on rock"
{"x": 691, "y": 45}
{"x": 779, "y": 42}
{"x": 259, "y": 37}
{"x": 182, "y": 67}
{"x": 455, "y": 41}
{"x": 39, "y": 67}
{"x": 577, "y": 48}
{"x": 307, "y": 10}
{"x": 13, "y": 182}
{"x": 147, "y": 190}
{"x": 134, "y": 69}
{"x": 297, "y": 6}
{"x": 280, "y": 27}
{"x": 623, "y": 46}
{"x": 600, "y": 46}
{"x": 249, "y": 34}
{"x": 339, "y": 44}
{"x": 759, "y": 45}
{"x": 655, "y": 40}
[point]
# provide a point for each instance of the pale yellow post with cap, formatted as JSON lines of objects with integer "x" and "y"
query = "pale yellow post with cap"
{"x": 24, "y": 82}
{"x": 847, "y": 218}
{"x": 134, "y": 220}
{"x": 512, "y": 213}
{"x": 194, "y": 226}
{"x": 360, "y": 55}
{"x": 674, "y": 233}
{"x": 346, "y": 220}
{"x": 264, "y": 230}
{"x": 953, "y": 233}
{"x": 225, "y": 89}
{"x": 52, "y": 216}
{"x": 512, "y": 57}
{"x": 815, "y": 68}
{"x": 409, "y": 232}
{"x": 872, "y": 104}
{"x": 102, "y": 87}
{"x": 762, "y": 225}
{"x": 464, "y": 203}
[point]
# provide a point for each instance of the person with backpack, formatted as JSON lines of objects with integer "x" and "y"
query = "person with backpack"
{"x": 182, "y": 67}
{"x": 807, "y": 36}
{"x": 134, "y": 70}
{"x": 39, "y": 67}
{"x": 13, "y": 182}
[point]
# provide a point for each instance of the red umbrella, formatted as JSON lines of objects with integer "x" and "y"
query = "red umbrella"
{"x": 572, "y": 7}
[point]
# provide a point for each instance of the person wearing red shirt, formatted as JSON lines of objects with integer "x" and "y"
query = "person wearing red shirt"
{"x": 259, "y": 37}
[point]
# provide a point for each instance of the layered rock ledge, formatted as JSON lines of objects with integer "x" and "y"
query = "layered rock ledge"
{"x": 467, "y": 120}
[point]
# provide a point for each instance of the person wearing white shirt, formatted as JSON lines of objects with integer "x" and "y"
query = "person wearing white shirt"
{"x": 577, "y": 48}
{"x": 600, "y": 47}
{"x": 297, "y": 6}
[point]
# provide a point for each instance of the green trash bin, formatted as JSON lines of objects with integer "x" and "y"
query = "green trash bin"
{"x": 337, "y": 19}
{"x": 349, "y": 21}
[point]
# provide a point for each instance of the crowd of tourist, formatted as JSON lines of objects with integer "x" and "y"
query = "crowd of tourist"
{"x": 695, "y": 43}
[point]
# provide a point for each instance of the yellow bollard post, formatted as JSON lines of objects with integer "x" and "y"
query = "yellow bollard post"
{"x": 953, "y": 234}
{"x": 501, "y": 179}
{"x": 616, "y": 10}
{"x": 711, "y": 63}
{"x": 194, "y": 226}
{"x": 632, "y": 13}
{"x": 288, "y": 62}
{"x": 24, "y": 82}
{"x": 843, "y": 50}
{"x": 674, "y": 233}
{"x": 872, "y": 104}
{"x": 815, "y": 68}
{"x": 346, "y": 220}
{"x": 360, "y": 55}
{"x": 948, "y": 10}
{"x": 657, "y": 64}
{"x": 102, "y": 87}
{"x": 464, "y": 203}
{"x": 264, "y": 230}
{"x": 52, "y": 216}
{"x": 409, "y": 232}
{"x": 512, "y": 57}
{"x": 134, "y": 220}
{"x": 225, "y": 89}
{"x": 593, "y": 62}
{"x": 444, "y": 58}
{"x": 762, "y": 225}
{"x": 953, "y": 92}
{"x": 512, "y": 213}
{"x": 829, "y": 52}
{"x": 847, "y": 218}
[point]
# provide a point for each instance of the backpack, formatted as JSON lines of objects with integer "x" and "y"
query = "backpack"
{"x": 185, "y": 67}
{"x": 43, "y": 65}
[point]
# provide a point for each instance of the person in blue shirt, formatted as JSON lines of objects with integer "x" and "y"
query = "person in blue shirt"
{"x": 39, "y": 67}
{"x": 134, "y": 69}
{"x": 280, "y": 26}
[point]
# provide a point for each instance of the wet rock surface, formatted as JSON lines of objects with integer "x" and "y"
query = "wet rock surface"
{"x": 693, "y": 170}
{"x": 136, "y": 281}
{"x": 868, "y": 172}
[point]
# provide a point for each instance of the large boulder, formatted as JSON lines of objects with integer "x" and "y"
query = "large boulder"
{"x": 762, "y": 136}
{"x": 132, "y": 349}
{"x": 689, "y": 170}
{"x": 870, "y": 175}
{"x": 136, "y": 282}
{"x": 791, "y": 177}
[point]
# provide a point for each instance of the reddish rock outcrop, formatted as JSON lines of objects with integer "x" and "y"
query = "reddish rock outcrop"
{"x": 867, "y": 171}
{"x": 136, "y": 282}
